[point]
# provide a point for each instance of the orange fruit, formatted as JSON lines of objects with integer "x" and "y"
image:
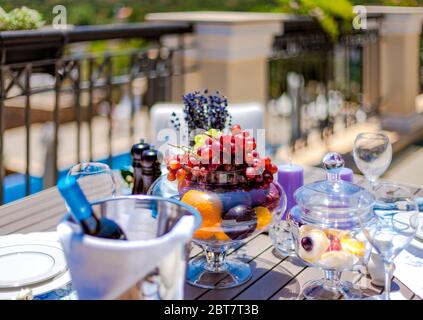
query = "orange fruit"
{"x": 207, "y": 203}
{"x": 221, "y": 235}
{"x": 264, "y": 217}
{"x": 203, "y": 233}
{"x": 207, "y": 232}
{"x": 353, "y": 246}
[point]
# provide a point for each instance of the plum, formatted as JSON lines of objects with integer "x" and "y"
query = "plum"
{"x": 239, "y": 222}
{"x": 234, "y": 198}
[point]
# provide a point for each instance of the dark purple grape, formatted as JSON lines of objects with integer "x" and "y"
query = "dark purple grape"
{"x": 258, "y": 179}
{"x": 239, "y": 222}
{"x": 258, "y": 197}
{"x": 307, "y": 243}
{"x": 273, "y": 197}
{"x": 268, "y": 177}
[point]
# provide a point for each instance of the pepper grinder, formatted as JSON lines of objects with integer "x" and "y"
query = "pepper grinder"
{"x": 150, "y": 168}
{"x": 136, "y": 152}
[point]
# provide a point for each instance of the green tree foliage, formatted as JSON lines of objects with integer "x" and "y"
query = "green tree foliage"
{"x": 21, "y": 18}
{"x": 333, "y": 15}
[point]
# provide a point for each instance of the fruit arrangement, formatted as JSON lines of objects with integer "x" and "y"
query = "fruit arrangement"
{"x": 230, "y": 184}
{"x": 329, "y": 248}
{"x": 215, "y": 151}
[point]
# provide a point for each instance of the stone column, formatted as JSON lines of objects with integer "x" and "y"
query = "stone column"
{"x": 371, "y": 71}
{"x": 399, "y": 67}
{"x": 231, "y": 51}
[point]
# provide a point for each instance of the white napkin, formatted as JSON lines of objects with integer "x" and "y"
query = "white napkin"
{"x": 28, "y": 238}
{"x": 409, "y": 269}
{"x": 105, "y": 269}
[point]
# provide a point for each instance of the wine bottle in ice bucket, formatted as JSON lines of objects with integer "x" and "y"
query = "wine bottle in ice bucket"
{"x": 82, "y": 212}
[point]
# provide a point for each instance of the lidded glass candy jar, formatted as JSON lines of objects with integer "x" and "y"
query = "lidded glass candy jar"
{"x": 325, "y": 226}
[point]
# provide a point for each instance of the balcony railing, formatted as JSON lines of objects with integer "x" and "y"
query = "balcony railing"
{"x": 50, "y": 81}
{"x": 56, "y": 91}
{"x": 316, "y": 83}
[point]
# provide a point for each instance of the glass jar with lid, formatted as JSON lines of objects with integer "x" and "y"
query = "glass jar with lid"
{"x": 325, "y": 226}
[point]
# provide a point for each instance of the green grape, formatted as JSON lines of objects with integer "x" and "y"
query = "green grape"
{"x": 214, "y": 133}
{"x": 198, "y": 145}
{"x": 200, "y": 140}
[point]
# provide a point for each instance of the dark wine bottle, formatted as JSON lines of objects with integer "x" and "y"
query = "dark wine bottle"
{"x": 82, "y": 212}
{"x": 136, "y": 152}
{"x": 150, "y": 168}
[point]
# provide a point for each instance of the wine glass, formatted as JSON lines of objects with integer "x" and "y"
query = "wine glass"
{"x": 95, "y": 179}
{"x": 392, "y": 227}
{"x": 372, "y": 155}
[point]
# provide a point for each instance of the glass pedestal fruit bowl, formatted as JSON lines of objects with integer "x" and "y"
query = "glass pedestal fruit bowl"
{"x": 327, "y": 232}
{"x": 231, "y": 212}
{"x": 236, "y": 199}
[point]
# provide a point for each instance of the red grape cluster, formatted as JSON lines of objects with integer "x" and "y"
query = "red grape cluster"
{"x": 226, "y": 152}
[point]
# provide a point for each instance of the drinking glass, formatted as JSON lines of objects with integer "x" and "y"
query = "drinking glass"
{"x": 392, "y": 227}
{"x": 372, "y": 155}
{"x": 95, "y": 179}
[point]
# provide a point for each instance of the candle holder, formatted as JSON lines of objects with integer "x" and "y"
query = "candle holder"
{"x": 290, "y": 177}
{"x": 281, "y": 236}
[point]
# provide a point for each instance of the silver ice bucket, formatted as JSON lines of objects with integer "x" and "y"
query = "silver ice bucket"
{"x": 150, "y": 265}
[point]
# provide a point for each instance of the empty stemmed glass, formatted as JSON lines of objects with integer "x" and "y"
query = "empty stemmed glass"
{"x": 395, "y": 220}
{"x": 95, "y": 179}
{"x": 372, "y": 155}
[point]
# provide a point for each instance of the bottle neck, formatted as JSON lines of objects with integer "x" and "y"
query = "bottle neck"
{"x": 90, "y": 225}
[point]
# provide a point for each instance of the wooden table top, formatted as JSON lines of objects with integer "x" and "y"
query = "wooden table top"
{"x": 272, "y": 278}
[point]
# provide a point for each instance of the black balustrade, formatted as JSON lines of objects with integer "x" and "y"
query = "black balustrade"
{"x": 86, "y": 83}
{"x": 315, "y": 82}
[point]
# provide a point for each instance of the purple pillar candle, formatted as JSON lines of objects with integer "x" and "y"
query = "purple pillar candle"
{"x": 290, "y": 177}
{"x": 346, "y": 174}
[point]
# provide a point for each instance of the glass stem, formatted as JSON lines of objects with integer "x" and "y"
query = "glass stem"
{"x": 372, "y": 183}
{"x": 215, "y": 260}
{"x": 332, "y": 278}
{"x": 388, "y": 271}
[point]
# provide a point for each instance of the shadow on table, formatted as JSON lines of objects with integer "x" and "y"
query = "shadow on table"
{"x": 291, "y": 289}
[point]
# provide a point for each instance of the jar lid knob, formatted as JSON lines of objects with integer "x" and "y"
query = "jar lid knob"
{"x": 333, "y": 163}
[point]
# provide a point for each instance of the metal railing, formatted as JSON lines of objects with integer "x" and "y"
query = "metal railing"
{"x": 315, "y": 82}
{"x": 96, "y": 78}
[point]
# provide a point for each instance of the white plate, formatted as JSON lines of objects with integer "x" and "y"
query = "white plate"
{"x": 58, "y": 282}
{"x": 28, "y": 264}
{"x": 417, "y": 243}
{"x": 414, "y": 222}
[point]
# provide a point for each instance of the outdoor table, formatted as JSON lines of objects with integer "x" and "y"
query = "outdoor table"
{"x": 272, "y": 278}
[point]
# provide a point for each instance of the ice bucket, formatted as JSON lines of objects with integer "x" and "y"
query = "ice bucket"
{"x": 150, "y": 265}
